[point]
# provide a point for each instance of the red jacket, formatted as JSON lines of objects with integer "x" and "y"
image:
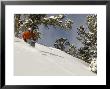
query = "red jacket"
{"x": 28, "y": 35}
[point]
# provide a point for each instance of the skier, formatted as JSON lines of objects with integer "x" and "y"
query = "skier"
{"x": 30, "y": 37}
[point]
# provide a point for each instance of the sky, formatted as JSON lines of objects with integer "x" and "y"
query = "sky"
{"x": 49, "y": 36}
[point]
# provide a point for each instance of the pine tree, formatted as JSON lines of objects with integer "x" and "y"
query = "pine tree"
{"x": 72, "y": 50}
{"x": 17, "y": 23}
{"x": 61, "y": 44}
{"x": 88, "y": 37}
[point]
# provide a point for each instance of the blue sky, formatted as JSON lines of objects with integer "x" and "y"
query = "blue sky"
{"x": 49, "y": 36}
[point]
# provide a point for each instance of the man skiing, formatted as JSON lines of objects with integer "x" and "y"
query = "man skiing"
{"x": 30, "y": 37}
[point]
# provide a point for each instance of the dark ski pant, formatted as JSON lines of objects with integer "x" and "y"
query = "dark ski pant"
{"x": 31, "y": 42}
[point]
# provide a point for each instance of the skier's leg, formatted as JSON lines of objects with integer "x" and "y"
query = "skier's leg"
{"x": 32, "y": 43}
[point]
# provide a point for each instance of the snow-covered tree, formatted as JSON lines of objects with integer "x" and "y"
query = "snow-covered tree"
{"x": 88, "y": 37}
{"x": 34, "y": 20}
{"x": 61, "y": 44}
{"x": 93, "y": 65}
{"x": 17, "y": 24}
{"x": 72, "y": 50}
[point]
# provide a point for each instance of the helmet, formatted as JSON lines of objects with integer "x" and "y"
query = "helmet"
{"x": 29, "y": 29}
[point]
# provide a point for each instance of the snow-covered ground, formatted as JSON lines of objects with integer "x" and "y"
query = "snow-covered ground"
{"x": 46, "y": 61}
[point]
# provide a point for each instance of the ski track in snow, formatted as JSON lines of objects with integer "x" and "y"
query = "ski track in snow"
{"x": 43, "y": 61}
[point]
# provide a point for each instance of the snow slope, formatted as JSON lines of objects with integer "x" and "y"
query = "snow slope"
{"x": 46, "y": 61}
